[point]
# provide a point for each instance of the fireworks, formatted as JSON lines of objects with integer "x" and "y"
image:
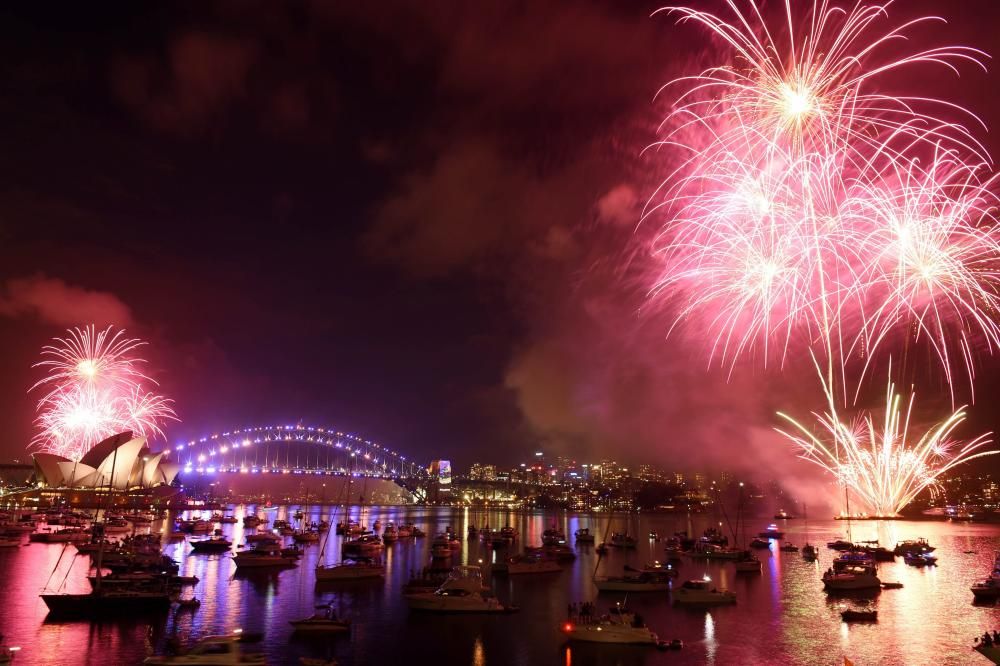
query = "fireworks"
{"x": 94, "y": 390}
{"x": 878, "y": 460}
{"x": 809, "y": 209}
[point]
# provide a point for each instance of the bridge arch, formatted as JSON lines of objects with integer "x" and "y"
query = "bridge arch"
{"x": 292, "y": 449}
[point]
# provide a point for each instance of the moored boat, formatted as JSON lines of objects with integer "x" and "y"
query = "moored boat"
{"x": 350, "y": 570}
{"x": 462, "y": 592}
{"x": 702, "y": 593}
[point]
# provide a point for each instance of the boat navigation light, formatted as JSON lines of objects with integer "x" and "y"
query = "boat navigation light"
{"x": 706, "y": 578}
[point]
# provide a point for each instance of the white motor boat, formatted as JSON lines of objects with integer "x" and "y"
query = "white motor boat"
{"x": 583, "y": 535}
{"x": 214, "y": 651}
{"x": 852, "y": 578}
{"x": 702, "y": 592}
{"x": 462, "y": 592}
{"x": 531, "y": 564}
{"x": 350, "y": 570}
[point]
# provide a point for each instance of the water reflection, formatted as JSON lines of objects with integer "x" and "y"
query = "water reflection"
{"x": 782, "y": 615}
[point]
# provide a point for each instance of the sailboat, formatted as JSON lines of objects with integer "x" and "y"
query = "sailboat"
{"x": 147, "y": 595}
{"x": 347, "y": 569}
{"x": 746, "y": 561}
{"x": 809, "y": 552}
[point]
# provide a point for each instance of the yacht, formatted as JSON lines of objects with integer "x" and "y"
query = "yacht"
{"x": 215, "y": 544}
{"x": 914, "y": 547}
{"x": 305, "y": 536}
{"x": 252, "y": 521}
{"x": 987, "y": 590}
{"x": 703, "y": 593}
{"x": 583, "y": 535}
{"x": 531, "y": 564}
{"x": 704, "y": 550}
{"x": 920, "y": 560}
{"x": 214, "y": 651}
{"x": 760, "y": 544}
{"x": 643, "y": 581}
{"x": 747, "y": 563}
{"x": 351, "y": 570}
{"x": 619, "y": 540}
{"x": 10, "y": 541}
{"x": 262, "y": 556}
{"x": 553, "y": 537}
{"x": 405, "y": 531}
{"x": 136, "y": 597}
{"x": 614, "y": 627}
{"x": 263, "y": 537}
{"x": 772, "y": 532}
{"x": 390, "y": 534}
{"x": 60, "y": 536}
{"x": 788, "y": 548}
{"x": 326, "y": 622}
{"x": 810, "y": 553}
{"x": 365, "y": 545}
{"x": 668, "y": 570}
{"x": 851, "y": 615}
{"x": 783, "y": 515}
{"x": 851, "y": 578}
{"x": 462, "y": 592}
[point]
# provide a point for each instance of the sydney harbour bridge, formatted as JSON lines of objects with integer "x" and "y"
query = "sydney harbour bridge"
{"x": 293, "y": 449}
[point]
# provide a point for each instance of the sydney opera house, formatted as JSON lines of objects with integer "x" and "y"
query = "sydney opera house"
{"x": 121, "y": 462}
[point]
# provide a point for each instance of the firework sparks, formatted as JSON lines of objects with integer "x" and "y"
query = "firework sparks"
{"x": 879, "y": 459}
{"x": 94, "y": 390}
{"x": 810, "y": 208}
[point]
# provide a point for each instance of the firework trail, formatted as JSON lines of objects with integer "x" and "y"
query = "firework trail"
{"x": 811, "y": 210}
{"x": 879, "y": 460}
{"x": 94, "y": 389}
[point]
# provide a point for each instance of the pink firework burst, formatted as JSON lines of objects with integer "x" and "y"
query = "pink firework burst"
{"x": 94, "y": 390}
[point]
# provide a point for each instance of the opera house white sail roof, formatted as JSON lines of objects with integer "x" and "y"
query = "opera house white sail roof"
{"x": 121, "y": 462}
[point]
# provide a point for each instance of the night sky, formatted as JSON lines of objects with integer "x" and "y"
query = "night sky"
{"x": 414, "y": 221}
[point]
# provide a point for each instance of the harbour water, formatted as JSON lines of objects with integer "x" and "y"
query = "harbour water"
{"x": 782, "y": 616}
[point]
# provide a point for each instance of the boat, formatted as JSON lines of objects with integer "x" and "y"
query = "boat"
{"x": 215, "y": 651}
{"x": 614, "y": 627}
{"x": 365, "y": 545}
{"x": 60, "y": 536}
{"x": 783, "y": 515}
{"x": 987, "y": 590}
{"x": 916, "y": 560}
{"x": 851, "y": 578}
{"x": 772, "y": 532}
{"x": 211, "y": 545}
{"x": 326, "y": 622}
{"x": 404, "y": 531}
{"x": 668, "y": 570}
{"x": 193, "y": 602}
{"x": 622, "y": 540}
{"x": 553, "y": 537}
{"x": 788, "y": 548}
{"x": 991, "y": 652}
{"x": 702, "y": 593}
{"x": 263, "y": 538}
{"x": 810, "y": 553}
{"x": 262, "y": 556}
{"x": 914, "y": 547}
{"x": 462, "y": 592}
{"x": 298, "y": 515}
{"x": 252, "y": 521}
{"x": 747, "y": 563}
{"x": 850, "y": 615}
{"x": 839, "y": 544}
{"x": 227, "y": 519}
{"x": 642, "y": 581}
{"x": 137, "y": 598}
{"x": 305, "y": 536}
{"x": 583, "y": 535}
{"x": 10, "y": 541}
{"x": 351, "y": 570}
{"x": 531, "y": 564}
{"x": 760, "y": 544}
{"x": 391, "y": 534}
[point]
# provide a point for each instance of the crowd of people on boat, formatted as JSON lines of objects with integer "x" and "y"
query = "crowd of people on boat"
{"x": 988, "y": 639}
